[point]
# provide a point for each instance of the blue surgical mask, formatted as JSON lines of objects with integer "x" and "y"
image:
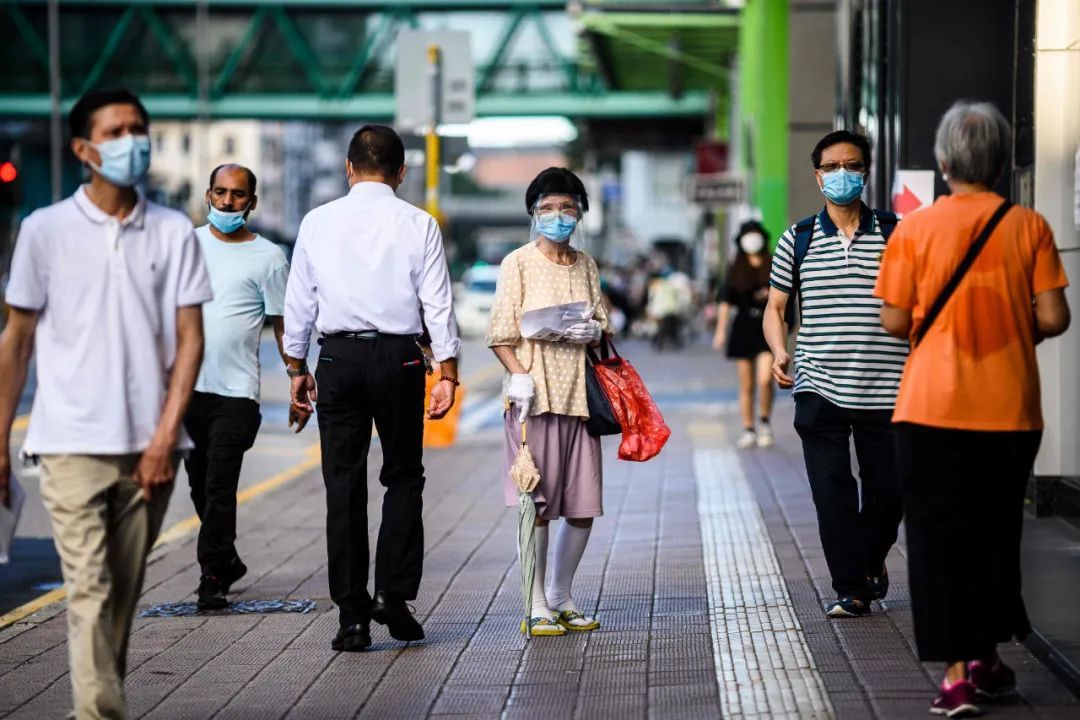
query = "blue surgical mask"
{"x": 125, "y": 160}
{"x": 226, "y": 222}
{"x": 842, "y": 187}
{"x": 557, "y": 227}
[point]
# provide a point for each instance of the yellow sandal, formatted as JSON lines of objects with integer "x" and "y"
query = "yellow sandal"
{"x": 567, "y": 617}
{"x": 541, "y": 627}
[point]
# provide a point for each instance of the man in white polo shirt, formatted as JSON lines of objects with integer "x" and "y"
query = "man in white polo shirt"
{"x": 248, "y": 274}
{"x": 106, "y": 291}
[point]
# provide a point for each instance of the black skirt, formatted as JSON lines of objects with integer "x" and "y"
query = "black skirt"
{"x": 964, "y": 513}
{"x": 747, "y": 339}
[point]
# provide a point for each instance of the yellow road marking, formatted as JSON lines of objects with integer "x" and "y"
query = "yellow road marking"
{"x": 187, "y": 525}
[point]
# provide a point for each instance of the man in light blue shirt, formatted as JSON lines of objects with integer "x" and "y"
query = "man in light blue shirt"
{"x": 248, "y": 274}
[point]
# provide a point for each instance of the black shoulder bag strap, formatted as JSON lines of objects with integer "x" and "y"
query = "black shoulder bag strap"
{"x": 961, "y": 271}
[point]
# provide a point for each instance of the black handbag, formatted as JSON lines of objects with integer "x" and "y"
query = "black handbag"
{"x": 602, "y": 419}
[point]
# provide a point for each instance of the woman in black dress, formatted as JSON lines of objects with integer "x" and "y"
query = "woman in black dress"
{"x": 747, "y": 290}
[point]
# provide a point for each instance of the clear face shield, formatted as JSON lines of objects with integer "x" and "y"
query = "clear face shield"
{"x": 557, "y": 218}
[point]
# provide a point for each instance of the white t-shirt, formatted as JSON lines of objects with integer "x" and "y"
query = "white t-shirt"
{"x": 107, "y": 292}
{"x": 249, "y": 281}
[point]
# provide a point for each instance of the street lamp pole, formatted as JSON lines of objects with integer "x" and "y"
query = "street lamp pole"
{"x": 56, "y": 134}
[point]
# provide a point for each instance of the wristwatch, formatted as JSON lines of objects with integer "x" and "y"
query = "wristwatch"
{"x": 296, "y": 372}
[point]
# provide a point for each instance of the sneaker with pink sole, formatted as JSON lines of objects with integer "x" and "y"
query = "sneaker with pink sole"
{"x": 956, "y": 700}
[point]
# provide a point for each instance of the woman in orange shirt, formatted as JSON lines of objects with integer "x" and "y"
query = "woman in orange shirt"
{"x": 968, "y": 416}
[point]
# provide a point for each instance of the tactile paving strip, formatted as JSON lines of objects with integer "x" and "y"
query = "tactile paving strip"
{"x": 763, "y": 664}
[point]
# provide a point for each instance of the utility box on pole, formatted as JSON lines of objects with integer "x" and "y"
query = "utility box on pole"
{"x": 414, "y": 95}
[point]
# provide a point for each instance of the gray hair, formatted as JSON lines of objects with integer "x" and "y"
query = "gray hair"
{"x": 973, "y": 142}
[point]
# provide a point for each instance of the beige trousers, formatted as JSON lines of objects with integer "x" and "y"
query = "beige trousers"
{"x": 103, "y": 530}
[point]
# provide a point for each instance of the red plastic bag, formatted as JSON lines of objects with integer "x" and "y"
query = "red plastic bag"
{"x": 644, "y": 431}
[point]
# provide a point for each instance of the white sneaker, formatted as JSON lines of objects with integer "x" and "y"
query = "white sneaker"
{"x": 764, "y": 436}
{"x": 746, "y": 440}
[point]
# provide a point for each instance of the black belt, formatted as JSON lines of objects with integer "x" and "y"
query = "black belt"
{"x": 367, "y": 335}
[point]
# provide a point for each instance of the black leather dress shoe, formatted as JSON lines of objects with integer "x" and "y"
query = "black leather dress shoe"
{"x": 352, "y": 638}
{"x": 397, "y": 618}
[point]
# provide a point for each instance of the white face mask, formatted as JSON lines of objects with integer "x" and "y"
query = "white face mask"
{"x": 752, "y": 243}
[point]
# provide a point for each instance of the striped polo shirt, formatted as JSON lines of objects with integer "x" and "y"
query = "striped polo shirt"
{"x": 842, "y": 353}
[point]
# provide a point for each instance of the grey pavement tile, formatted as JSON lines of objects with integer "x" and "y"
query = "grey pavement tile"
{"x": 643, "y": 576}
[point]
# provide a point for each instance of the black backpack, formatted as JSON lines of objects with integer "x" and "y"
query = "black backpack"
{"x": 804, "y": 234}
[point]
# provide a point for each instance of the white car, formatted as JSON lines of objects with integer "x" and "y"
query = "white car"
{"x": 474, "y": 297}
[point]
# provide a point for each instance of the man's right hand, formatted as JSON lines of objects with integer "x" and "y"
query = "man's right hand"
{"x": 303, "y": 393}
{"x": 298, "y": 417}
{"x": 781, "y": 362}
{"x": 5, "y": 479}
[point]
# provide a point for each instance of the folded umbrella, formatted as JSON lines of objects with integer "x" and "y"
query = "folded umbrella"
{"x": 525, "y": 476}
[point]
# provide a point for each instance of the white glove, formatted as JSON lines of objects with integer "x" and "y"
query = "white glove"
{"x": 521, "y": 392}
{"x": 585, "y": 332}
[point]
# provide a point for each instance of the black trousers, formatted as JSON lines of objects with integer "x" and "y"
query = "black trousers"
{"x": 856, "y": 533}
{"x": 361, "y": 382}
{"x": 223, "y": 429}
{"x": 964, "y": 508}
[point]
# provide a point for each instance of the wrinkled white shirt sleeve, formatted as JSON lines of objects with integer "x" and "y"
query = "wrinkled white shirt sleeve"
{"x": 301, "y": 300}
{"x": 437, "y": 299}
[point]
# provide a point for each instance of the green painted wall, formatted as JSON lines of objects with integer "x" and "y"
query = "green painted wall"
{"x": 763, "y": 107}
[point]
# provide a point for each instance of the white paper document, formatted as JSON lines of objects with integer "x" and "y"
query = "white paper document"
{"x": 9, "y": 518}
{"x": 550, "y": 323}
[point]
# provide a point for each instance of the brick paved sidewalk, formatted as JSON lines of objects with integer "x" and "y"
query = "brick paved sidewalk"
{"x": 673, "y": 610}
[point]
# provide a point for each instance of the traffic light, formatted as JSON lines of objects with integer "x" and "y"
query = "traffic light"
{"x": 10, "y": 186}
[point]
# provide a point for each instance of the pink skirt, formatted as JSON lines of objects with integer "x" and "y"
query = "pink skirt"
{"x": 568, "y": 458}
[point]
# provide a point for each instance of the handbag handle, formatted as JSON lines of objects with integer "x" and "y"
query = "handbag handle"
{"x": 607, "y": 350}
{"x": 958, "y": 275}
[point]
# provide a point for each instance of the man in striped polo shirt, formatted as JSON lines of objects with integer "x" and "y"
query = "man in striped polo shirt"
{"x": 847, "y": 370}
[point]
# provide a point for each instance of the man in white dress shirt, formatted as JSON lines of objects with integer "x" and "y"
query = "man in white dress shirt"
{"x": 368, "y": 273}
{"x": 106, "y": 291}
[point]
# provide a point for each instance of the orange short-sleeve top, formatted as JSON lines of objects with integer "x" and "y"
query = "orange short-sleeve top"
{"x": 975, "y": 369}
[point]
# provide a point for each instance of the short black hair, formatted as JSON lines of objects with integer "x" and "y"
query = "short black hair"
{"x": 556, "y": 181}
{"x": 377, "y": 149}
{"x": 91, "y": 102}
{"x": 841, "y": 136}
{"x": 252, "y": 181}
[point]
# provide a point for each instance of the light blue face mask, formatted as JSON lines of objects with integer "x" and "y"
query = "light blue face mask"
{"x": 226, "y": 222}
{"x": 841, "y": 186}
{"x": 557, "y": 227}
{"x": 125, "y": 160}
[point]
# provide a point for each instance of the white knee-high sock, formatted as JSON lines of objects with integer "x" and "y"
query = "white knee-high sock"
{"x": 569, "y": 547}
{"x": 539, "y": 600}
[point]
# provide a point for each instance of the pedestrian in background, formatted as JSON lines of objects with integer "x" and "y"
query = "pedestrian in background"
{"x": 248, "y": 274}
{"x": 747, "y": 291}
{"x": 545, "y": 388}
{"x": 364, "y": 268}
{"x": 969, "y": 417}
{"x": 106, "y": 292}
{"x": 847, "y": 370}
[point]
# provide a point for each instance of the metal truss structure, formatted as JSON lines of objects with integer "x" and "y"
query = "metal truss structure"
{"x": 326, "y": 59}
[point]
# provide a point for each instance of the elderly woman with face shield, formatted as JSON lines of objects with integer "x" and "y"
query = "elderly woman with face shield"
{"x": 545, "y": 388}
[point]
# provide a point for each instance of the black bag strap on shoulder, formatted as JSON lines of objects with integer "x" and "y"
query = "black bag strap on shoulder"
{"x": 958, "y": 275}
{"x": 804, "y": 234}
{"x": 886, "y": 221}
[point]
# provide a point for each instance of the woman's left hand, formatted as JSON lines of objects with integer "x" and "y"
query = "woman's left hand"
{"x": 585, "y": 332}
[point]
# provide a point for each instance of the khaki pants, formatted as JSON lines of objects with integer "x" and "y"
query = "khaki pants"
{"x": 103, "y": 531}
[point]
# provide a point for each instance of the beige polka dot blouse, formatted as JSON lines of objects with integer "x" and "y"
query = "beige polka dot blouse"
{"x": 530, "y": 281}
